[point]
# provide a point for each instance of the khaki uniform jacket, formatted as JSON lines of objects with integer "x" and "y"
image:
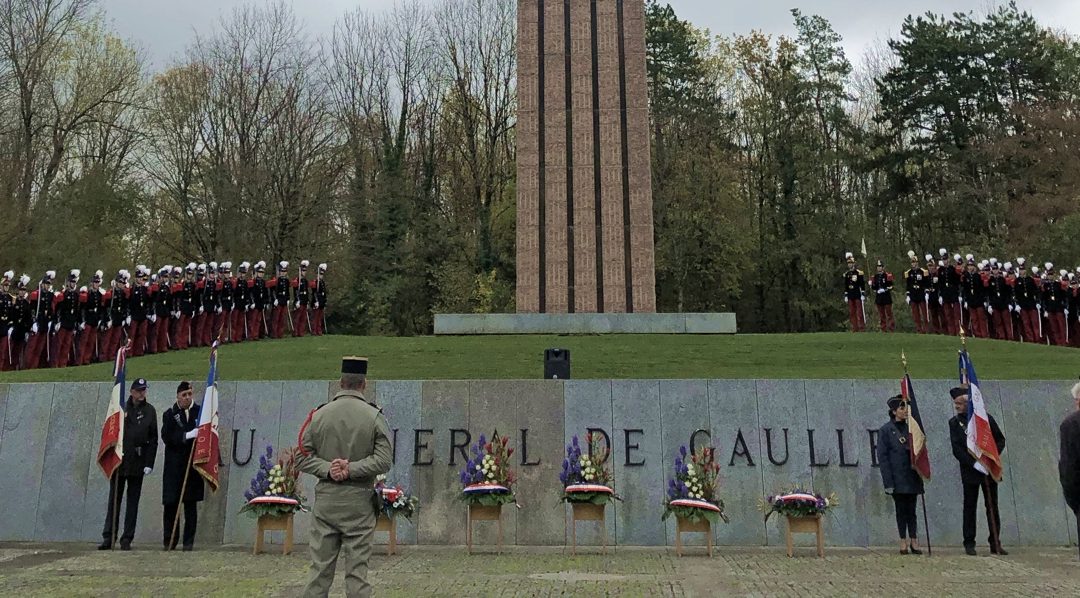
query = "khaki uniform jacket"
{"x": 351, "y": 428}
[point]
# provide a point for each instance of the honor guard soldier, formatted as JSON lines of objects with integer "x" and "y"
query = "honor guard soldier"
{"x": 935, "y": 312}
{"x": 917, "y": 281}
{"x": 260, "y": 299}
{"x": 139, "y": 311}
{"x": 161, "y": 296}
{"x": 318, "y": 313}
{"x": 211, "y": 306}
{"x": 949, "y": 292}
{"x": 93, "y": 318}
{"x": 855, "y": 294}
{"x": 279, "y": 289}
{"x": 1027, "y": 292}
{"x": 38, "y": 351}
{"x": 301, "y": 299}
{"x": 22, "y": 319}
{"x": 1000, "y": 301}
{"x": 1054, "y": 295}
{"x": 198, "y": 320}
{"x": 883, "y": 288}
{"x": 68, "y": 310}
{"x": 241, "y": 302}
{"x": 345, "y": 444}
{"x": 187, "y": 307}
{"x": 116, "y": 300}
{"x": 7, "y": 302}
{"x": 225, "y": 300}
{"x": 179, "y": 428}
{"x": 973, "y": 292}
{"x": 1074, "y": 310}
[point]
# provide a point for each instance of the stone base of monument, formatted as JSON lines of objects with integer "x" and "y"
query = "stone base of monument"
{"x": 683, "y": 323}
{"x": 805, "y": 525}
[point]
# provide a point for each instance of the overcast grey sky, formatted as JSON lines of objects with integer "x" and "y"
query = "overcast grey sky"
{"x": 164, "y": 27}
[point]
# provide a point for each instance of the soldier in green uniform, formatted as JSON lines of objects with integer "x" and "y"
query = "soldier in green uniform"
{"x": 345, "y": 444}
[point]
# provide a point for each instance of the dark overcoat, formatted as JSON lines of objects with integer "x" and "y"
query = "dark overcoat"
{"x": 174, "y": 425}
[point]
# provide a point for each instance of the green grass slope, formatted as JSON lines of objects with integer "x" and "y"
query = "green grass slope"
{"x": 821, "y": 356}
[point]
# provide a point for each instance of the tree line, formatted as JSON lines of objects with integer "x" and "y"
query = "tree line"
{"x": 386, "y": 147}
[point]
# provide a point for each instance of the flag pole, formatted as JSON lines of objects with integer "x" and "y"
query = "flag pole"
{"x": 988, "y": 499}
{"x": 179, "y": 504}
{"x": 115, "y": 507}
{"x": 926, "y": 520}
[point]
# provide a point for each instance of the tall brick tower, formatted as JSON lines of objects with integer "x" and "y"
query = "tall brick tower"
{"x": 584, "y": 199}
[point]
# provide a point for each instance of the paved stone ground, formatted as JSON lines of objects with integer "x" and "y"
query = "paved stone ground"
{"x": 78, "y": 570}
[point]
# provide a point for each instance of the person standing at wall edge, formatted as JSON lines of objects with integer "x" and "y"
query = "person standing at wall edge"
{"x": 972, "y": 479}
{"x": 901, "y": 481}
{"x": 179, "y": 427}
{"x": 1069, "y": 462}
{"x": 140, "y": 451}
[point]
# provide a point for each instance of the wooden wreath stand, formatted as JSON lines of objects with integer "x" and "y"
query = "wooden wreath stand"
{"x": 483, "y": 513}
{"x": 383, "y": 523}
{"x": 274, "y": 523}
{"x": 805, "y": 525}
{"x": 684, "y": 525}
{"x": 587, "y": 511}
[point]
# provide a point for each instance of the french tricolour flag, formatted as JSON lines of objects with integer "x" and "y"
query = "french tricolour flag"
{"x": 207, "y": 443}
{"x": 980, "y": 440}
{"x": 111, "y": 451}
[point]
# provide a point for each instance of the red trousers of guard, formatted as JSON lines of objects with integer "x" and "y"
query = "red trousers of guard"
{"x": 88, "y": 345}
{"x": 207, "y": 330}
{"x": 255, "y": 324}
{"x": 16, "y": 348}
{"x": 181, "y": 332}
{"x": 110, "y": 342}
{"x": 65, "y": 340}
{"x": 137, "y": 333}
{"x": 1056, "y": 322}
{"x": 35, "y": 350}
{"x": 885, "y": 318}
{"x": 937, "y": 318}
{"x": 317, "y": 322}
{"x": 977, "y": 322}
{"x": 855, "y": 315}
{"x": 1029, "y": 325}
{"x": 277, "y": 325}
{"x": 239, "y": 324}
{"x": 951, "y": 313}
{"x": 197, "y": 323}
{"x": 920, "y": 316}
{"x": 1002, "y": 324}
{"x": 159, "y": 335}
{"x": 300, "y": 321}
{"x": 1071, "y": 330}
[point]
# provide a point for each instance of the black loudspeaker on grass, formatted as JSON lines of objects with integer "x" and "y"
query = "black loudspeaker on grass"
{"x": 557, "y": 364}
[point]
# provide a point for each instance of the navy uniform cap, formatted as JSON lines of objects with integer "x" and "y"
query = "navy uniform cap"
{"x": 139, "y": 384}
{"x": 354, "y": 365}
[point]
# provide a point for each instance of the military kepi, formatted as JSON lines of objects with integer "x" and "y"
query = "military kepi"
{"x": 354, "y": 365}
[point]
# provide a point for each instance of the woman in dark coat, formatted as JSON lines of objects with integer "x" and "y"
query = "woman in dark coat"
{"x": 901, "y": 481}
{"x": 178, "y": 432}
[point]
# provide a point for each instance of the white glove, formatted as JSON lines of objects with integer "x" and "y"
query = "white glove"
{"x": 51, "y": 324}
{"x": 965, "y": 305}
{"x": 880, "y": 291}
{"x": 108, "y": 324}
{"x": 250, "y": 306}
{"x": 153, "y": 318}
{"x": 927, "y": 297}
{"x": 219, "y": 309}
{"x": 191, "y": 434}
{"x": 175, "y": 315}
{"x": 147, "y": 470}
{"x": 82, "y": 326}
{"x": 201, "y": 309}
{"x": 127, "y": 320}
{"x": 34, "y": 328}
{"x": 990, "y": 309}
{"x": 908, "y": 298}
{"x": 941, "y": 301}
{"x": 316, "y": 305}
{"x": 275, "y": 302}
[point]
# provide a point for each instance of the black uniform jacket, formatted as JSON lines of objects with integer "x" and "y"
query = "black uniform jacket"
{"x": 140, "y": 438}
{"x": 174, "y": 425}
{"x": 894, "y": 459}
{"x": 958, "y": 437}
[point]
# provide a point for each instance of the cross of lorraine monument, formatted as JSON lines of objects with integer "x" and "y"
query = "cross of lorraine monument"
{"x": 584, "y": 182}
{"x": 584, "y": 200}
